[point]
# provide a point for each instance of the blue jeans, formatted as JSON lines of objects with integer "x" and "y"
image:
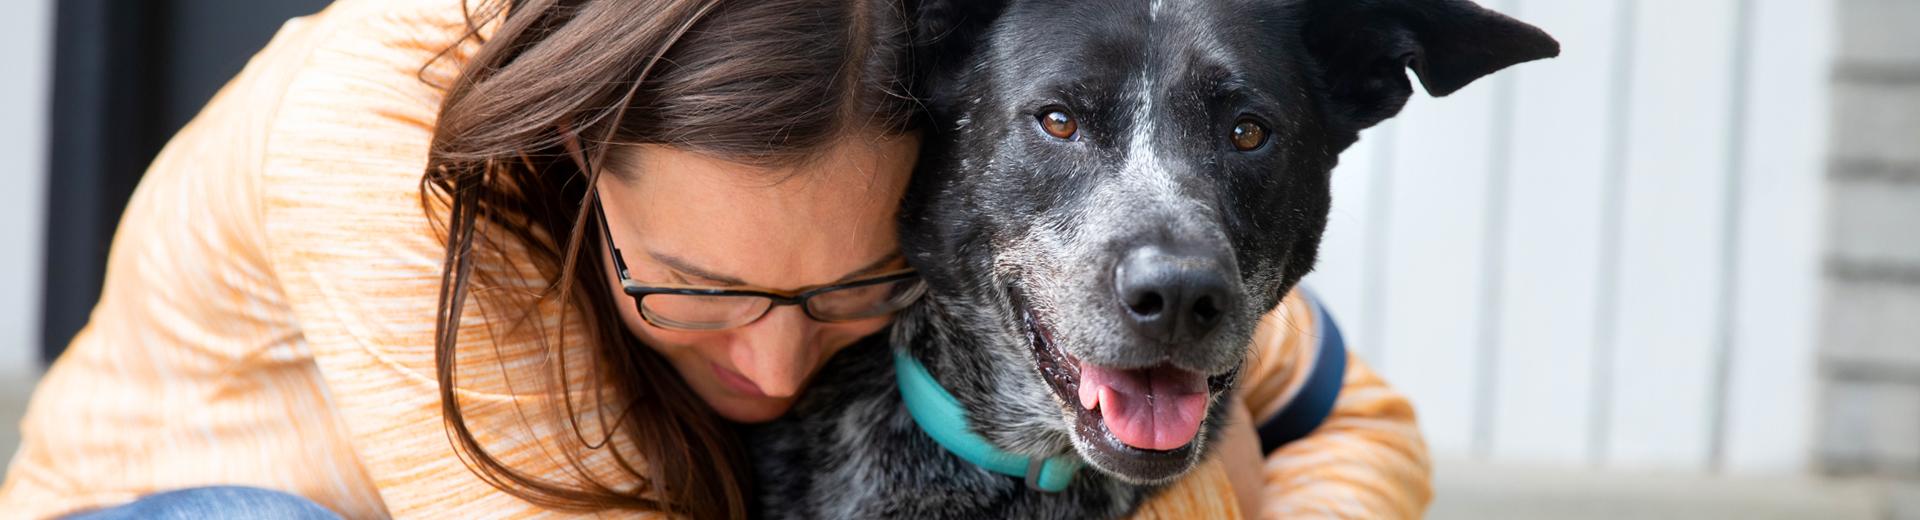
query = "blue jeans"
{"x": 215, "y": 502}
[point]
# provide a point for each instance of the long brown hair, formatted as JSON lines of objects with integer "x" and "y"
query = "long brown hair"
{"x": 766, "y": 82}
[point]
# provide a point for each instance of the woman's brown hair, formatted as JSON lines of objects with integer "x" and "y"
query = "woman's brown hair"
{"x": 767, "y": 82}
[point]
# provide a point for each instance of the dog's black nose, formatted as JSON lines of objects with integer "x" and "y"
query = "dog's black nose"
{"x": 1171, "y": 296}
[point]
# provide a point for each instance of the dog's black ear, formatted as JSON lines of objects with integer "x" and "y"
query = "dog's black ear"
{"x": 948, "y": 32}
{"x": 1363, "y": 48}
{"x": 952, "y": 26}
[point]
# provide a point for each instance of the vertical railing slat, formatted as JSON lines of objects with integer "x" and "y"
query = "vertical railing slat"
{"x": 1771, "y": 379}
{"x": 1669, "y": 264}
{"x": 1432, "y": 306}
{"x": 1559, "y": 167}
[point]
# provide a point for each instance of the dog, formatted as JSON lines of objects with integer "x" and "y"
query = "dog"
{"x": 1111, "y": 195}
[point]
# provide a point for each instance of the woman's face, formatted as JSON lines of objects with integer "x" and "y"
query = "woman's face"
{"x": 681, "y": 218}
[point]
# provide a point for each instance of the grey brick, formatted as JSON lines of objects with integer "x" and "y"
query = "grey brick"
{"x": 1876, "y": 121}
{"x": 1871, "y": 428}
{"x": 1872, "y": 323}
{"x": 1869, "y": 355}
{"x": 1873, "y": 220}
{"x": 1880, "y": 31}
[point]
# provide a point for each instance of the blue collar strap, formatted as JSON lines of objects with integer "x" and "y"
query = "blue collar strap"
{"x": 940, "y": 416}
{"x": 1314, "y": 401}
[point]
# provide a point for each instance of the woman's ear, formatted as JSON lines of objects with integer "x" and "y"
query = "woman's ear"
{"x": 1363, "y": 48}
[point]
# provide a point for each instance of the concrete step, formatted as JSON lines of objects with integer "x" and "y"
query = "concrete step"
{"x": 1479, "y": 490}
{"x": 15, "y": 387}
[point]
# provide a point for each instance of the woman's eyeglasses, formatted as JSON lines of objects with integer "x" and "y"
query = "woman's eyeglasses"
{"x": 697, "y": 308}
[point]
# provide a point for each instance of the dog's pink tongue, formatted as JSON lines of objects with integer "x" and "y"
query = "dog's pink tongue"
{"x": 1156, "y": 408}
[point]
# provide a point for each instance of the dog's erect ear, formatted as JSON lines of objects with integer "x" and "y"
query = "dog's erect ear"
{"x": 949, "y": 27}
{"x": 1364, "y": 47}
{"x": 948, "y": 32}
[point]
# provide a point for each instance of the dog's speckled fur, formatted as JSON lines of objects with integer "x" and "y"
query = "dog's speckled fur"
{"x": 1018, "y": 232}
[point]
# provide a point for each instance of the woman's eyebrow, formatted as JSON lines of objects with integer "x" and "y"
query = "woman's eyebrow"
{"x": 679, "y": 264}
{"x": 684, "y": 266}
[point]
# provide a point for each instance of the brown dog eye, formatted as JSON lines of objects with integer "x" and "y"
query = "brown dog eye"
{"x": 1248, "y": 135}
{"x": 1059, "y": 124}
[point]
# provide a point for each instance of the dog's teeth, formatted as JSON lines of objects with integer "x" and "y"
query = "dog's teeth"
{"x": 1089, "y": 394}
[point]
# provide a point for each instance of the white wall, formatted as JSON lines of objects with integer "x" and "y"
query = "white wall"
{"x": 27, "y": 34}
{"x": 1608, "y": 258}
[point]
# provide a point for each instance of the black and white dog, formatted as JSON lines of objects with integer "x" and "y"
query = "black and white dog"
{"x": 1113, "y": 193}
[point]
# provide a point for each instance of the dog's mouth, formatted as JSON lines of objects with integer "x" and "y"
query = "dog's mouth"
{"x": 1148, "y": 415}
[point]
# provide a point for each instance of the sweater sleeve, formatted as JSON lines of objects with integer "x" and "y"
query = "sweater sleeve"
{"x": 1366, "y": 460}
{"x": 190, "y": 371}
{"x": 360, "y": 258}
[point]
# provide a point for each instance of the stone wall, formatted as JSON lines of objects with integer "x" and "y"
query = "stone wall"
{"x": 1870, "y": 342}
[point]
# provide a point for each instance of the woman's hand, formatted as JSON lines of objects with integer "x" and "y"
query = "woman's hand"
{"x": 1239, "y": 451}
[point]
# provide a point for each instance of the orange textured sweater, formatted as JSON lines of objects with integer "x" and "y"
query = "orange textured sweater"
{"x": 267, "y": 320}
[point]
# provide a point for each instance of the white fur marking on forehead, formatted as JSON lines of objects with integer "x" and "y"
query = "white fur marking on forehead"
{"x": 1143, "y": 168}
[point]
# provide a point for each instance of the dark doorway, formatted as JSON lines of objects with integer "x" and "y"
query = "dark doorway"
{"x": 127, "y": 75}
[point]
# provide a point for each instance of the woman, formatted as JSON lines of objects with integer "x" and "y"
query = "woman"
{"x": 281, "y": 313}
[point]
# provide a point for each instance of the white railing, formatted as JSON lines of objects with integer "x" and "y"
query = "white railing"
{"x": 1610, "y": 258}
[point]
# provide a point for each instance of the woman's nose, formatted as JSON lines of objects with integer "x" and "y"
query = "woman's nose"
{"x": 779, "y": 351}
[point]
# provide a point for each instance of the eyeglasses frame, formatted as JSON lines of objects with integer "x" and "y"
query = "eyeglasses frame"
{"x": 778, "y": 298}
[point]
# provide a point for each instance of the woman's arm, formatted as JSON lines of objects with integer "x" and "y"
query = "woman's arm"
{"x": 1365, "y": 460}
{"x": 360, "y": 263}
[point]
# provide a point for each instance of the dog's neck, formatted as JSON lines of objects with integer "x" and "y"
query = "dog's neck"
{"x": 942, "y": 417}
{"x": 985, "y": 391}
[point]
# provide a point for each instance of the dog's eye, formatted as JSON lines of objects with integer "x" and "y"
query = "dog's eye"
{"x": 1248, "y": 135}
{"x": 1059, "y": 124}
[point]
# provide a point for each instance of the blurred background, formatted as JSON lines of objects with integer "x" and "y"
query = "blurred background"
{"x": 1674, "y": 273}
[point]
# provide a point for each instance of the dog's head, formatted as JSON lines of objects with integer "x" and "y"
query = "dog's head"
{"x": 1116, "y": 191}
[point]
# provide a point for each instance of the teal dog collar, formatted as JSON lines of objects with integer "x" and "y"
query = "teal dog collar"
{"x": 940, "y": 416}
